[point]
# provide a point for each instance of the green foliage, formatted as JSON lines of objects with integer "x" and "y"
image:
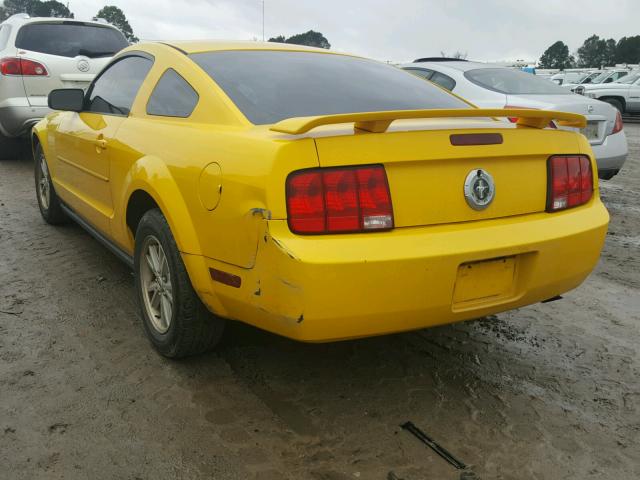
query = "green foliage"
{"x": 116, "y": 17}
{"x": 556, "y": 56}
{"x": 597, "y": 52}
{"x": 628, "y": 50}
{"x": 310, "y": 38}
{"x": 35, "y": 8}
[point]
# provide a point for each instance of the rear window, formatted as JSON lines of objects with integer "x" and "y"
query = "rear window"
{"x": 70, "y": 39}
{"x": 512, "y": 82}
{"x": 269, "y": 86}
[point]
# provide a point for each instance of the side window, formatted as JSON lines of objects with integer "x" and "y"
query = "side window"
{"x": 114, "y": 91}
{"x": 445, "y": 81}
{"x": 421, "y": 72}
{"x": 172, "y": 96}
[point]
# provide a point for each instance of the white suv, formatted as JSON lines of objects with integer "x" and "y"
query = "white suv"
{"x": 38, "y": 55}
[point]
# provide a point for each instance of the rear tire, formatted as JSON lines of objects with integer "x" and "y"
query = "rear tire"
{"x": 10, "y": 148}
{"x": 174, "y": 318}
{"x": 48, "y": 201}
{"x": 617, "y": 104}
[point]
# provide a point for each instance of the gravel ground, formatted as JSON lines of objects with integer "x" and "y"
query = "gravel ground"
{"x": 546, "y": 392}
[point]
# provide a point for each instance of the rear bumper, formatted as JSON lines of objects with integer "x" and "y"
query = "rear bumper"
{"x": 339, "y": 287}
{"x": 612, "y": 153}
{"x": 17, "y": 116}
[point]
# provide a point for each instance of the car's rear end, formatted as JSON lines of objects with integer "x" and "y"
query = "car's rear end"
{"x": 43, "y": 54}
{"x": 408, "y": 218}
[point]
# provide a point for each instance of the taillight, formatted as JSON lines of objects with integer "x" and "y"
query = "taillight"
{"x": 339, "y": 200}
{"x": 515, "y": 119}
{"x": 570, "y": 182}
{"x": 617, "y": 127}
{"x": 22, "y": 66}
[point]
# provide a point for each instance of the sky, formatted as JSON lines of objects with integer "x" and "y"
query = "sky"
{"x": 398, "y": 30}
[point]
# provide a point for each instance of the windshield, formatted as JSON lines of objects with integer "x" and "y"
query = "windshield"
{"x": 602, "y": 77}
{"x": 70, "y": 39}
{"x": 512, "y": 82}
{"x": 269, "y": 86}
{"x": 632, "y": 78}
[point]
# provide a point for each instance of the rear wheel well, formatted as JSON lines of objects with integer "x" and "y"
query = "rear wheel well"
{"x": 617, "y": 99}
{"x": 139, "y": 203}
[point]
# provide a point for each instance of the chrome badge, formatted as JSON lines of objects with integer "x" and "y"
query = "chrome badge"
{"x": 479, "y": 189}
{"x": 83, "y": 65}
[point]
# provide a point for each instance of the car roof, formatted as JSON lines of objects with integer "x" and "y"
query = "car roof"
{"x": 199, "y": 46}
{"x": 23, "y": 19}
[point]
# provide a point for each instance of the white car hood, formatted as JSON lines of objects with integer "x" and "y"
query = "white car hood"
{"x": 605, "y": 86}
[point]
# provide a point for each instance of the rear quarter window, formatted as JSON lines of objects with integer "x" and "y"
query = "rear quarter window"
{"x": 172, "y": 96}
{"x": 70, "y": 39}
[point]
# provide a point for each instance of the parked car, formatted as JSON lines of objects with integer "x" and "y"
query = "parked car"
{"x": 604, "y": 76}
{"x": 488, "y": 86}
{"x": 588, "y": 77}
{"x": 38, "y": 55}
{"x": 624, "y": 94}
{"x": 268, "y": 183}
{"x": 562, "y": 78}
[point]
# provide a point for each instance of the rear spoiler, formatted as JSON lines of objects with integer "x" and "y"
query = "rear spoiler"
{"x": 378, "y": 122}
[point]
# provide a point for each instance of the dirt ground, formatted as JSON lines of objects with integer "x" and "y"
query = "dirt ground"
{"x": 550, "y": 391}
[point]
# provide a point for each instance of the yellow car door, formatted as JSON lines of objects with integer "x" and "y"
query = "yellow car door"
{"x": 84, "y": 140}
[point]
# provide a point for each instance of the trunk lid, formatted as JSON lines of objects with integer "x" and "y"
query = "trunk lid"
{"x": 601, "y": 116}
{"x": 427, "y": 173}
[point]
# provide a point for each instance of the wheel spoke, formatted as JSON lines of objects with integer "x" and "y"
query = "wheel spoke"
{"x": 150, "y": 263}
{"x": 165, "y": 311}
{"x": 155, "y": 299}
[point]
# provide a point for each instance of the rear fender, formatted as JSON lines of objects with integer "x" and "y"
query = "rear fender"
{"x": 151, "y": 175}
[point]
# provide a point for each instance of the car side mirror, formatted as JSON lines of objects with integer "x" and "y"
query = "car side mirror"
{"x": 68, "y": 99}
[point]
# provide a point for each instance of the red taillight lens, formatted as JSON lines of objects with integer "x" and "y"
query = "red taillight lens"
{"x": 570, "y": 182}
{"x": 22, "y": 66}
{"x": 305, "y": 202}
{"x": 617, "y": 127}
{"x": 338, "y": 200}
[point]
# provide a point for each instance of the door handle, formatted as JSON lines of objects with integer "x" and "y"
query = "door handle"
{"x": 100, "y": 143}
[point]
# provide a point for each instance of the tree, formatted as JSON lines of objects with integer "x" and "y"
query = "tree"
{"x": 556, "y": 56}
{"x": 52, "y": 8}
{"x": 116, "y": 17}
{"x": 457, "y": 54}
{"x": 597, "y": 52}
{"x": 310, "y": 38}
{"x": 35, "y": 8}
{"x": 628, "y": 50}
{"x": 610, "y": 53}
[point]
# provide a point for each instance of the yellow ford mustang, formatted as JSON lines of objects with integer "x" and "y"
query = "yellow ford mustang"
{"x": 316, "y": 195}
